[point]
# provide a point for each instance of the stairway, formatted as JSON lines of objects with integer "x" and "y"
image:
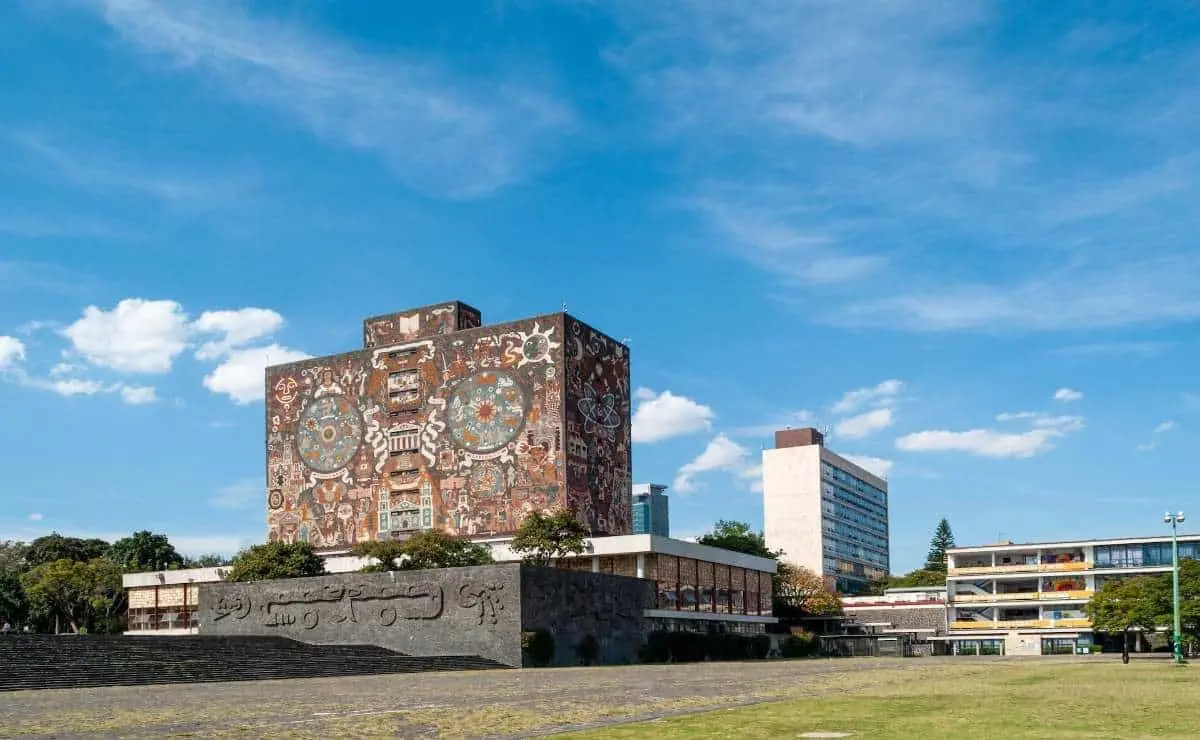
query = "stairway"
{"x": 79, "y": 661}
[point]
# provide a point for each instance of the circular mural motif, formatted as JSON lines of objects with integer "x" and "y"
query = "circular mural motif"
{"x": 487, "y": 480}
{"x": 486, "y": 411}
{"x": 329, "y": 434}
{"x": 536, "y": 348}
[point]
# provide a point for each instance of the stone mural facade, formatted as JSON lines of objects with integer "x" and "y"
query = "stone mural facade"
{"x": 441, "y": 423}
{"x": 452, "y": 611}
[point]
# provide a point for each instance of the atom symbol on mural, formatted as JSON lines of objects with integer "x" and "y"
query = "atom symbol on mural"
{"x": 600, "y": 411}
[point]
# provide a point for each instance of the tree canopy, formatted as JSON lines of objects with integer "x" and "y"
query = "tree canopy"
{"x": 86, "y": 595}
{"x": 276, "y": 560}
{"x": 542, "y": 538}
{"x": 738, "y": 537}
{"x": 943, "y": 540}
{"x": 54, "y": 547}
{"x": 144, "y": 551}
{"x": 797, "y": 587}
{"x": 431, "y": 549}
{"x": 1145, "y": 602}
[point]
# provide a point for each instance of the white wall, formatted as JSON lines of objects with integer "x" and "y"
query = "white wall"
{"x": 792, "y": 504}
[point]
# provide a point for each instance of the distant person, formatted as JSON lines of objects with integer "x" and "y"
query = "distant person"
{"x": 6, "y": 628}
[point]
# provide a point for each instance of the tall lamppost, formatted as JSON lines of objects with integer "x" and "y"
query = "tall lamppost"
{"x": 1175, "y": 520}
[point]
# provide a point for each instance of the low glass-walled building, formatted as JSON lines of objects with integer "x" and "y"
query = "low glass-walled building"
{"x": 1029, "y": 599}
{"x": 699, "y": 587}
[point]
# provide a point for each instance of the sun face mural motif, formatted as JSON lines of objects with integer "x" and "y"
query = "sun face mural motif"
{"x": 329, "y": 434}
{"x": 486, "y": 412}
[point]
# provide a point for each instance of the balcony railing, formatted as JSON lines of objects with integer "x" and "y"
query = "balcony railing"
{"x": 969, "y": 624}
{"x": 980, "y": 570}
{"x": 1023, "y": 596}
{"x": 1063, "y": 595}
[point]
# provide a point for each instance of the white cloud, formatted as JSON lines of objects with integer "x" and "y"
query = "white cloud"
{"x": 454, "y": 135}
{"x": 1158, "y": 431}
{"x": 857, "y": 427}
{"x": 983, "y": 442}
{"x": 36, "y": 517}
{"x": 722, "y": 453}
{"x": 138, "y": 336}
{"x": 12, "y": 351}
{"x": 237, "y": 329}
{"x": 1067, "y": 395}
{"x": 244, "y": 494}
{"x": 138, "y": 395}
{"x": 76, "y": 387}
{"x": 877, "y": 465}
{"x": 665, "y": 415}
{"x": 1019, "y": 415}
{"x": 881, "y": 394}
{"x": 241, "y": 376}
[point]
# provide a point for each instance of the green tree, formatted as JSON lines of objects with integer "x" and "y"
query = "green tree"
{"x": 54, "y": 547}
{"x": 1140, "y": 602}
{"x": 738, "y": 537}
{"x": 276, "y": 560}
{"x": 943, "y": 540}
{"x": 87, "y": 595}
{"x": 542, "y": 538}
{"x": 14, "y": 608}
{"x": 431, "y": 549}
{"x": 801, "y": 589}
{"x": 144, "y": 551}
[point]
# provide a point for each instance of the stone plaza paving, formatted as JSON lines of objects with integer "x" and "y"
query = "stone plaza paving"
{"x": 486, "y": 704}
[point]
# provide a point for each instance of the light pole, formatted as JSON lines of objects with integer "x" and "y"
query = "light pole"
{"x": 1175, "y": 520}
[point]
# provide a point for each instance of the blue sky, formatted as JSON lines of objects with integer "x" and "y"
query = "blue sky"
{"x": 916, "y": 223}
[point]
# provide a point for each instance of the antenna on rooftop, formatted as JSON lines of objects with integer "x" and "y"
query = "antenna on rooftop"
{"x": 825, "y": 429}
{"x": 564, "y": 305}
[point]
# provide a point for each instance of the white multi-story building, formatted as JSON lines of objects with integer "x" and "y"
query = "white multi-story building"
{"x": 824, "y": 512}
{"x": 1020, "y": 599}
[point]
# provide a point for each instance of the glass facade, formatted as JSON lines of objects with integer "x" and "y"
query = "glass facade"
{"x": 651, "y": 513}
{"x": 1141, "y": 556}
{"x": 854, "y": 525}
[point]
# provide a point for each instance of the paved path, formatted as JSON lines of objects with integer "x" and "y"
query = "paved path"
{"x": 487, "y": 704}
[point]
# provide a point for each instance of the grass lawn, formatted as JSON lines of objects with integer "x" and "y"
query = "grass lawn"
{"x": 1025, "y": 699}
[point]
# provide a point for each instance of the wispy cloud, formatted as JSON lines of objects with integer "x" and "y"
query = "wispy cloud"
{"x": 1141, "y": 350}
{"x": 1156, "y": 435}
{"x": 91, "y": 168}
{"x": 449, "y": 135}
{"x": 827, "y": 141}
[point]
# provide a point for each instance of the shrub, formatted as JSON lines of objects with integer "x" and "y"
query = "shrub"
{"x": 797, "y": 646}
{"x": 760, "y": 647}
{"x": 657, "y": 648}
{"x": 688, "y": 647}
{"x": 588, "y": 649}
{"x": 539, "y": 646}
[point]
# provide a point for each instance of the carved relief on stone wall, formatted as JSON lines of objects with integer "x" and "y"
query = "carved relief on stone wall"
{"x": 384, "y": 604}
{"x": 483, "y": 597}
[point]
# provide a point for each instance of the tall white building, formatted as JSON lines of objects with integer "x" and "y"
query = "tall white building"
{"x": 824, "y": 512}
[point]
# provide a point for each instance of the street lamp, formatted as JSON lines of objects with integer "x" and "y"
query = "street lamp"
{"x": 1175, "y": 520}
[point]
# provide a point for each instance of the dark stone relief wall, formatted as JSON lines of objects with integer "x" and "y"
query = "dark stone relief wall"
{"x": 598, "y": 415}
{"x": 453, "y": 611}
{"x": 572, "y": 604}
{"x": 903, "y": 619}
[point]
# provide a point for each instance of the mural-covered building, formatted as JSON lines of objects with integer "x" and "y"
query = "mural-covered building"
{"x": 443, "y": 423}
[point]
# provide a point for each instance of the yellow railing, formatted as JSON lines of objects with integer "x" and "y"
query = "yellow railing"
{"x": 1081, "y": 594}
{"x": 1073, "y": 623}
{"x": 983, "y": 570}
{"x": 1060, "y": 567}
{"x": 1017, "y": 624}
